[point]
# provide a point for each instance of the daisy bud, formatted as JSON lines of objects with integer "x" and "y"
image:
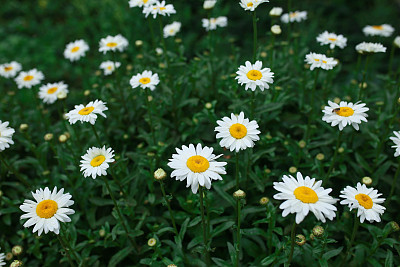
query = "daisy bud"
{"x": 87, "y": 92}
{"x": 276, "y": 12}
{"x": 279, "y": 88}
{"x": 62, "y": 138}
{"x": 162, "y": 66}
{"x": 208, "y": 105}
{"x": 9, "y": 256}
{"x": 159, "y": 51}
{"x": 395, "y": 226}
{"x": 336, "y": 100}
{"x": 11, "y": 93}
{"x": 172, "y": 265}
{"x": 267, "y": 171}
{"x": 364, "y": 85}
{"x": 149, "y": 98}
{"x": 312, "y": 236}
{"x": 160, "y": 174}
{"x": 367, "y": 180}
{"x": 46, "y": 172}
{"x": 129, "y": 67}
{"x": 97, "y": 72}
{"x": 125, "y": 136}
{"x": 152, "y": 242}
{"x": 23, "y": 127}
{"x": 264, "y": 201}
{"x": 320, "y": 156}
{"x": 239, "y": 194}
{"x": 398, "y": 100}
{"x": 139, "y": 56}
{"x": 276, "y": 29}
{"x": 95, "y": 85}
{"x": 318, "y": 231}
{"x": 268, "y": 136}
{"x": 140, "y": 145}
{"x": 292, "y": 169}
{"x": 263, "y": 54}
{"x": 178, "y": 40}
{"x": 102, "y": 232}
{"x": 209, "y": 4}
{"x": 17, "y": 250}
{"x": 16, "y": 263}
{"x": 302, "y": 144}
{"x": 341, "y": 150}
{"x": 138, "y": 42}
{"x": 300, "y": 240}
{"x": 159, "y": 143}
{"x": 67, "y": 134}
{"x": 48, "y": 137}
{"x": 151, "y": 154}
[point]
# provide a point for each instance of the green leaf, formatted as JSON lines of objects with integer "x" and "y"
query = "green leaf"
{"x": 119, "y": 256}
{"x": 389, "y": 259}
{"x": 332, "y": 253}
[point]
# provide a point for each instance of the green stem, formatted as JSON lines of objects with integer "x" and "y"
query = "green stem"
{"x": 66, "y": 251}
{"x": 238, "y": 205}
{"x": 254, "y": 36}
{"x": 271, "y": 226}
{"x": 117, "y": 181}
{"x": 253, "y": 99}
{"x": 95, "y": 134}
{"x": 163, "y": 41}
{"x": 394, "y": 182}
{"x": 334, "y": 157}
{"x": 118, "y": 84}
{"x": 153, "y": 39}
{"x": 74, "y": 253}
{"x": 150, "y": 117}
{"x": 391, "y": 60}
{"x": 307, "y": 135}
{"x": 353, "y": 235}
{"x": 292, "y": 241}
{"x": 203, "y": 220}
{"x": 361, "y": 85}
{"x": 169, "y": 208}
{"x": 14, "y": 171}
{"x": 237, "y": 170}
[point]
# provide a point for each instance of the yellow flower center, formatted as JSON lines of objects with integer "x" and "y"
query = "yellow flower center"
{"x": 75, "y": 49}
{"x": 254, "y": 75}
{"x": 109, "y": 67}
{"x": 46, "y": 208}
{"x": 345, "y": 111}
{"x": 171, "y": 31}
{"x": 111, "y": 44}
{"x": 378, "y": 27}
{"x": 305, "y": 194}
{"x": 364, "y": 200}
{"x": 145, "y": 1}
{"x": 144, "y": 80}
{"x": 97, "y": 161}
{"x": 28, "y": 78}
{"x": 8, "y": 68}
{"x": 316, "y": 59}
{"x": 86, "y": 111}
{"x": 52, "y": 90}
{"x": 332, "y": 39}
{"x": 160, "y": 8}
{"x": 197, "y": 164}
{"x": 292, "y": 15}
{"x": 238, "y": 130}
{"x": 323, "y": 61}
{"x": 250, "y": 4}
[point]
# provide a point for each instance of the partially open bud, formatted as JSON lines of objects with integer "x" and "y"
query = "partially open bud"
{"x": 160, "y": 174}
{"x": 17, "y": 250}
{"x": 9, "y": 256}
{"x": 23, "y": 127}
{"x": 300, "y": 240}
{"x": 367, "y": 180}
{"x": 102, "y": 232}
{"x": 320, "y": 156}
{"x": 239, "y": 194}
{"x": 395, "y": 226}
{"x": 302, "y": 144}
{"x": 264, "y": 201}
{"x": 48, "y": 137}
{"x": 62, "y": 138}
{"x": 318, "y": 230}
{"x": 16, "y": 263}
{"x": 152, "y": 242}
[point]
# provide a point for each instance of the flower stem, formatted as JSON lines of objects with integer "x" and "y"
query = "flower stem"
{"x": 203, "y": 220}
{"x": 237, "y": 170}
{"x": 253, "y": 99}
{"x": 95, "y": 134}
{"x": 394, "y": 182}
{"x": 292, "y": 240}
{"x": 307, "y": 135}
{"x": 163, "y": 41}
{"x": 334, "y": 157}
{"x": 66, "y": 251}
{"x": 74, "y": 253}
{"x": 169, "y": 208}
{"x": 254, "y": 36}
{"x": 238, "y": 205}
{"x": 361, "y": 85}
{"x": 14, "y": 171}
{"x": 391, "y": 60}
{"x": 356, "y": 223}
{"x": 150, "y": 117}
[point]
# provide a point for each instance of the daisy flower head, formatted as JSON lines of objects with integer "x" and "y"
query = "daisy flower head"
{"x": 365, "y": 200}
{"x": 303, "y": 195}
{"x": 320, "y": 61}
{"x": 87, "y": 113}
{"x": 146, "y": 79}
{"x": 296, "y": 16}
{"x": 27, "y": 79}
{"x": 396, "y": 41}
{"x": 209, "y": 4}
{"x": 96, "y": 161}
{"x": 197, "y": 165}
{"x": 251, "y": 5}
{"x": 396, "y": 141}
{"x": 237, "y": 132}
{"x": 214, "y": 23}
{"x": 384, "y": 30}
{"x": 9, "y": 70}
{"x": 113, "y": 43}
{"x": 75, "y": 50}
{"x": 332, "y": 39}
{"x": 6, "y": 134}
{"x": 159, "y": 8}
{"x": 368, "y": 48}
{"x": 140, "y": 3}
{"x": 276, "y": 12}
{"x": 47, "y": 210}
{"x": 49, "y": 93}
{"x": 109, "y": 67}
{"x": 171, "y": 29}
{"x": 253, "y": 75}
{"x": 345, "y": 113}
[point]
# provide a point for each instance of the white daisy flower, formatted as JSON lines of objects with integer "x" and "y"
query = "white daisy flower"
{"x": 27, "y": 79}
{"x": 396, "y": 140}
{"x": 276, "y": 12}
{"x": 109, "y": 67}
{"x": 113, "y": 43}
{"x": 96, "y": 161}
{"x": 172, "y": 29}
{"x": 332, "y": 39}
{"x": 159, "y": 8}
{"x": 48, "y": 209}
{"x": 384, "y": 30}
{"x": 344, "y": 114}
{"x": 146, "y": 79}
{"x": 2, "y": 259}
{"x": 209, "y": 4}
{"x": 49, "y": 93}
{"x": 304, "y": 195}
{"x": 237, "y": 133}
{"x": 254, "y": 75}
{"x": 366, "y": 48}
{"x": 87, "y": 113}
{"x": 9, "y": 70}
{"x": 366, "y": 200}
{"x": 75, "y": 50}
{"x": 213, "y": 23}
{"x": 320, "y": 61}
{"x": 197, "y": 166}
{"x": 141, "y": 3}
{"x": 396, "y": 41}
{"x": 296, "y": 16}
{"x": 276, "y": 29}
{"x": 251, "y": 5}
{"x": 6, "y": 134}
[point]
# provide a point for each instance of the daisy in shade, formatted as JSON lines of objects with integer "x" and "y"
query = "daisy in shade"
{"x": 159, "y": 8}
{"x": 344, "y": 114}
{"x": 109, "y": 67}
{"x": 251, "y": 5}
{"x": 48, "y": 210}
{"x": 2, "y": 257}
{"x": 320, "y": 61}
{"x": 332, "y": 39}
{"x": 384, "y": 30}
{"x": 113, "y": 43}
{"x": 368, "y": 48}
{"x": 209, "y": 4}
{"x": 75, "y": 50}
{"x": 6, "y": 134}
{"x": 49, "y": 93}
{"x": 303, "y": 195}
{"x": 214, "y": 23}
{"x": 146, "y": 79}
{"x": 140, "y": 3}
{"x": 87, "y": 113}
{"x": 172, "y": 29}
{"x": 296, "y": 16}
{"x": 237, "y": 132}
{"x": 9, "y": 70}
{"x": 27, "y": 79}
{"x": 253, "y": 75}
{"x": 396, "y": 140}
{"x": 365, "y": 200}
{"x": 96, "y": 161}
{"x": 396, "y": 41}
{"x": 197, "y": 165}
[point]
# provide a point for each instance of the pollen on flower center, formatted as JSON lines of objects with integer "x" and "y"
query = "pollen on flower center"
{"x": 52, "y": 90}
{"x": 238, "y": 130}
{"x": 316, "y": 59}
{"x": 145, "y": 1}
{"x": 109, "y": 67}
{"x": 8, "y": 68}
{"x": 364, "y": 200}
{"x": 144, "y": 80}
{"x": 292, "y": 15}
{"x": 250, "y": 4}
{"x": 323, "y": 61}
{"x": 332, "y": 39}
{"x": 197, "y": 164}
{"x": 345, "y": 112}
{"x": 28, "y": 78}
{"x": 378, "y": 27}
{"x": 254, "y": 75}
{"x": 86, "y": 111}
{"x": 162, "y": 8}
{"x": 46, "y": 209}
{"x": 305, "y": 194}
{"x": 75, "y": 49}
{"x": 97, "y": 161}
{"x": 112, "y": 44}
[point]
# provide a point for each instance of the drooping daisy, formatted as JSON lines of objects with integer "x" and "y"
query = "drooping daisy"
{"x": 2, "y": 257}
{"x": 75, "y": 50}
{"x": 197, "y": 165}
{"x": 366, "y": 48}
{"x": 237, "y": 132}
{"x": 396, "y": 41}
{"x": 320, "y": 61}
{"x": 254, "y": 75}
{"x": 251, "y": 5}
{"x": 276, "y": 12}
{"x": 296, "y": 16}
{"x": 96, "y": 161}
{"x": 9, "y": 70}
{"x": 344, "y": 114}
{"x": 113, "y": 43}
{"x": 171, "y": 29}
{"x": 49, "y": 93}
{"x": 209, "y": 4}
{"x": 146, "y": 79}
{"x": 159, "y": 8}
{"x": 396, "y": 140}
{"x": 384, "y": 30}
{"x": 332, "y": 39}
{"x": 213, "y": 23}
{"x": 6, "y": 134}
{"x": 87, "y": 113}
{"x": 140, "y": 3}
{"x": 109, "y": 67}
{"x": 48, "y": 209}
{"x": 365, "y": 200}
{"x": 27, "y": 79}
{"x": 304, "y": 195}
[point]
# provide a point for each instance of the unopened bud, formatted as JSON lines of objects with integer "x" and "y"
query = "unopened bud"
{"x": 367, "y": 180}
{"x": 86, "y": 92}
{"x": 62, "y": 138}
{"x": 23, "y": 127}
{"x": 264, "y": 201}
{"x": 239, "y": 194}
{"x": 302, "y": 144}
{"x": 320, "y": 156}
{"x": 102, "y": 232}
{"x": 160, "y": 174}
{"x": 292, "y": 169}
{"x": 17, "y": 250}
{"x": 152, "y": 242}
{"x": 395, "y": 226}
{"x": 138, "y": 42}
{"x": 48, "y": 137}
